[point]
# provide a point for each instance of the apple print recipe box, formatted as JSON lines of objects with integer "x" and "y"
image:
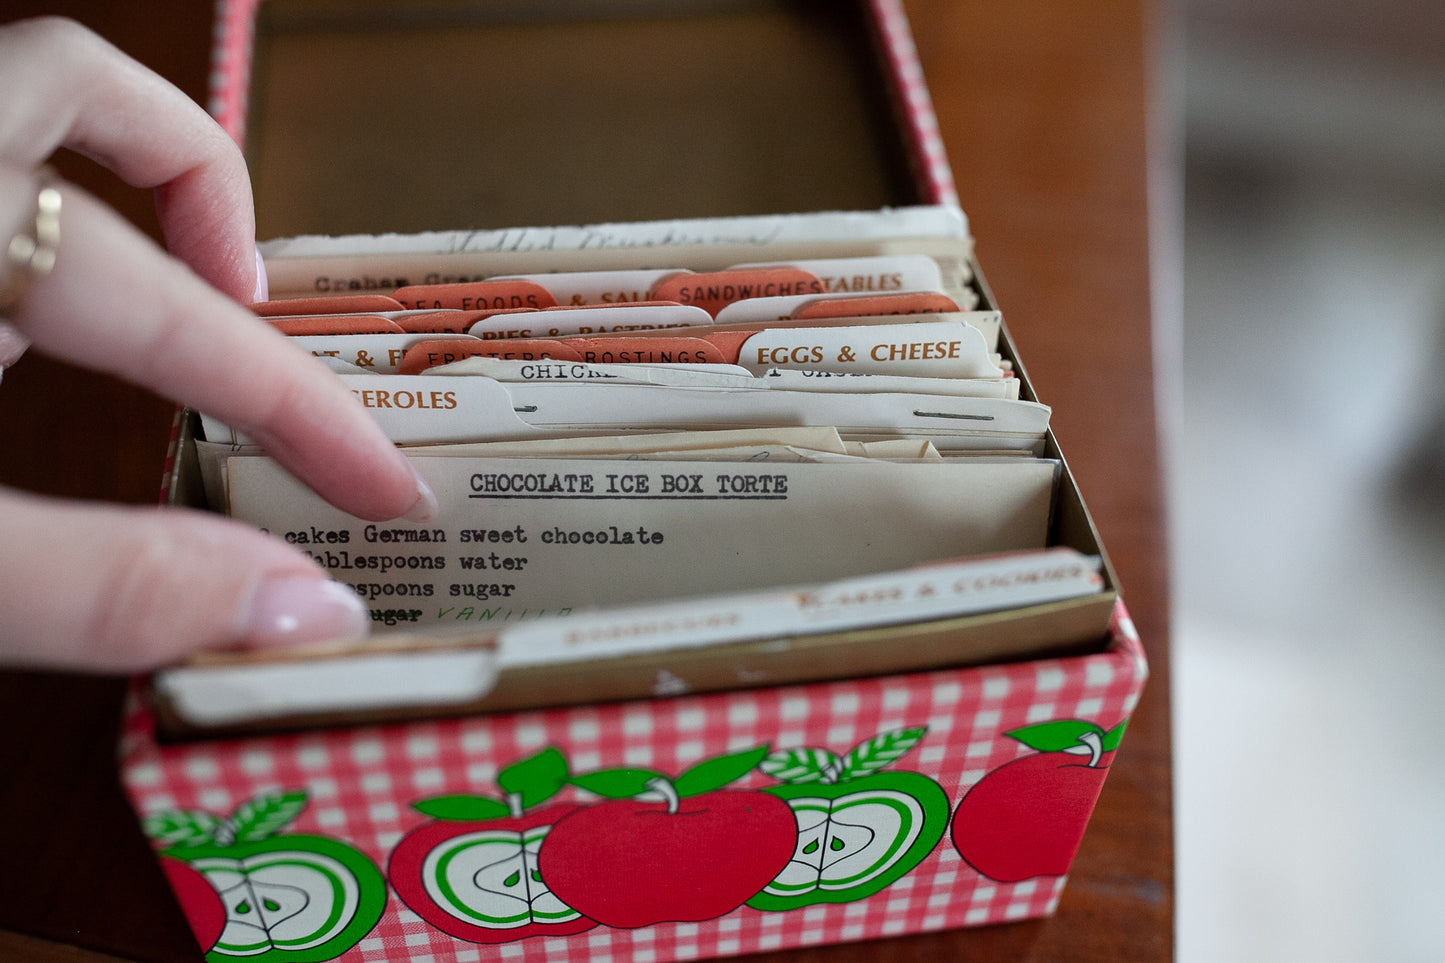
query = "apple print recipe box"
{"x": 672, "y": 703}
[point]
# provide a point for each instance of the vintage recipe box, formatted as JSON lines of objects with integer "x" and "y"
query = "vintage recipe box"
{"x": 715, "y": 646}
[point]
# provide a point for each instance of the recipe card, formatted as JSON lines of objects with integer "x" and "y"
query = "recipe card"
{"x": 518, "y": 538}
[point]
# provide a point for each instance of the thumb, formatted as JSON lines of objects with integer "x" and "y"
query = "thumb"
{"x": 122, "y": 589}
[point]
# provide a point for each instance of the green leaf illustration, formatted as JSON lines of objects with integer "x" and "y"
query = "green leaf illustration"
{"x": 535, "y": 779}
{"x": 179, "y": 827}
{"x": 266, "y": 815}
{"x": 717, "y": 772}
{"x": 617, "y": 783}
{"x": 1113, "y": 737}
{"x": 801, "y": 765}
{"x": 1055, "y": 736}
{"x": 462, "y": 808}
{"x": 882, "y": 750}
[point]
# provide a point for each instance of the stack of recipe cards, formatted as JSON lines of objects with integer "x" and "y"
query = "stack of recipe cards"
{"x": 699, "y": 427}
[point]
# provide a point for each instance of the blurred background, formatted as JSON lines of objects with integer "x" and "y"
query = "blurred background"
{"x": 1309, "y": 482}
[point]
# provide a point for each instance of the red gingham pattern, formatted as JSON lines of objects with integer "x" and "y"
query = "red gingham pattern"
{"x": 915, "y": 107}
{"x": 361, "y": 783}
{"x": 231, "y": 64}
{"x": 172, "y": 449}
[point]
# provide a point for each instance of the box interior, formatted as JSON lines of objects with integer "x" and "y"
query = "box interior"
{"x": 368, "y": 117}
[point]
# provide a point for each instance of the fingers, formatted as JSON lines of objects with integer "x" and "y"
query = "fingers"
{"x": 12, "y": 345}
{"x": 127, "y": 589}
{"x": 83, "y": 93}
{"x": 118, "y": 588}
{"x": 117, "y": 303}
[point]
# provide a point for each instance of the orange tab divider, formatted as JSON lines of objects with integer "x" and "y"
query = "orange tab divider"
{"x": 431, "y": 354}
{"x": 646, "y": 351}
{"x": 336, "y": 304}
{"x": 476, "y": 295}
{"x": 335, "y": 324}
{"x": 450, "y": 320}
{"x": 906, "y": 302}
{"x": 704, "y": 345}
{"x": 611, "y": 304}
{"x": 712, "y": 290}
{"x": 730, "y": 342}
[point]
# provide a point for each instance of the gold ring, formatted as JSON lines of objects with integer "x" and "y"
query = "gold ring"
{"x": 31, "y": 252}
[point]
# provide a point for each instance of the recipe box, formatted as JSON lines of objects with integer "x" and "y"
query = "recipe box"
{"x": 923, "y": 776}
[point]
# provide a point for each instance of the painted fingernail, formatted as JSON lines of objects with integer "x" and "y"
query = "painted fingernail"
{"x": 290, "y": 611}
{"x": 263, "y": 286}
{"x": 425, "y": 505}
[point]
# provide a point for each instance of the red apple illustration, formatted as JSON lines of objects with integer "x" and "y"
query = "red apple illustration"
{"x": 286, "y": 897}
{"x": 1027, "y": 817}
{"x": 696, "y": 852}
{"x": 473, "y": 874}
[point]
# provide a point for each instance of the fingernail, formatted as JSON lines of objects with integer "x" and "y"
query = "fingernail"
{"x": 425, "y": 505}
{"x": 290, "y": 611}
{"x": 263, "y": 286}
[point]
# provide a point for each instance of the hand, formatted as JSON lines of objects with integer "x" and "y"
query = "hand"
{"x": 112, "y": 588}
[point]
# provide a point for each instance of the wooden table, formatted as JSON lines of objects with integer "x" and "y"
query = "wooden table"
{"x": 1043, "y": 105}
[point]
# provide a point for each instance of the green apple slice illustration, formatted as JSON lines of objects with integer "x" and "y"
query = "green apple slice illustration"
{"x": 859, "y": 829}
{"x": 849, "y": 841}
{"x": 490, "y": 878}
{"x": 472, "y": 871}
{"x": 288, "y": 896}
{"x": 288, "y": 899}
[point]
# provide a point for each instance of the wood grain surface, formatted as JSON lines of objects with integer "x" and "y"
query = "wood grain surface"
{"x": 1043, "y": 106}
